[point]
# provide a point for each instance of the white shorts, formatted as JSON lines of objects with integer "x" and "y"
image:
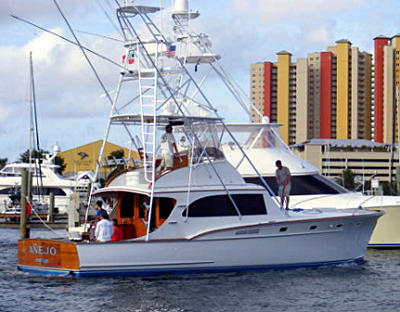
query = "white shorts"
{"x": 167, "y": 161}
{"x": 284, "y": 190}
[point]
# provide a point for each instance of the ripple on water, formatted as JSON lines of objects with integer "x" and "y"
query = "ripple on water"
{"x": 371, "y": 286}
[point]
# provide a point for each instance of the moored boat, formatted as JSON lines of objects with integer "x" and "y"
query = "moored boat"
{"x": 45, "y": 180}
{"x": 310, "y": 189}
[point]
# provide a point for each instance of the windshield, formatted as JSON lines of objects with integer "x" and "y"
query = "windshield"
{"x": 255, "y": 136}
{"x": 205, "y": 142}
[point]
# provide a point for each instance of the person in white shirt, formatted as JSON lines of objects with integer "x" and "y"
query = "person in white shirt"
{"x": 168, "y": 149}
{"x": 182, "y": 146}
{"x": 104, "y": 228}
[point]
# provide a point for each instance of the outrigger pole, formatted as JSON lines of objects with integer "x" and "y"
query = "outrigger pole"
{"x": 106, "y": 93}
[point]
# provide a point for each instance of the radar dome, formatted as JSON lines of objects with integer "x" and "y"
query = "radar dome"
{"x": 181, "y": 6}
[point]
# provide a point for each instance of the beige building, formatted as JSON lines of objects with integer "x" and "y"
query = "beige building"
{"x": 368, "y": 160}
{"x": 273, "y": 92}
{"x": 85, "y": 157}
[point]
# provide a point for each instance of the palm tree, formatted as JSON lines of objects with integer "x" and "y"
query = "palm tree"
{"x": 347, "y": 179}
{"x": 24, "y": 157}
{"x": 117, "y": 167}
{"x": 3, "y": 162}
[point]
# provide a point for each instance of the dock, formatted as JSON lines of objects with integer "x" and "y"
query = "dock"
{"x": 12, "y": 221}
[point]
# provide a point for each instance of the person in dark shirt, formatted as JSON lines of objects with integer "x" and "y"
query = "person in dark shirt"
{"x": 99, "y": 208}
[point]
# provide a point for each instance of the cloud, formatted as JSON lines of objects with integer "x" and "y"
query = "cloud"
{"x": 66, "y": 88}
{"x": 280, "y": 11}
{"x": 6, "y": 114}
{"x": 39, "y": 8}
{"x": 59, "y": 69}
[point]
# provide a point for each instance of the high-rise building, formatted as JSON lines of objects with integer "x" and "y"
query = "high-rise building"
{"x": 326, "y": 95}
{"x": 273, "y": 91}
{"x": 386, "y": 80}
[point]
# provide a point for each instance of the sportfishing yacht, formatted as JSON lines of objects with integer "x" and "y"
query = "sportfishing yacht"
{"x": 202, "y": 216}
{"x": 199, "y": 214}
{"x": 45, "y": 180}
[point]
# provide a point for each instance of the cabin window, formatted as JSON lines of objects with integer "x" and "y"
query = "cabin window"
{"x": 250, "y": 204}
{"x": 47, "y": 190}
{"x": 35, "y": 191}
{"x": 7, "y": 191}
{"x": 166, "y": 206}
{"x": 126, "y": 210}
{"x": 144, "y": 202}
{"x": 221, "y": 205}
{"x": 56, "y": 191}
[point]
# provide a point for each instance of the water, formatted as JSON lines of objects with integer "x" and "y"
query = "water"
{"x": 371, "y": 286}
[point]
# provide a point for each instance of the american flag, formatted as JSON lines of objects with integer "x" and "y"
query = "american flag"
{"x": 171, "y": 51}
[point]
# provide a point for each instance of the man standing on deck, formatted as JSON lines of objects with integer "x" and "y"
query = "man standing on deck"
{"x": 283, "y": 178}
{"x": 168, "y": 149}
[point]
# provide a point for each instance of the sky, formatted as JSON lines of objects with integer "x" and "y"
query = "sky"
{"x": 71, "y": 108}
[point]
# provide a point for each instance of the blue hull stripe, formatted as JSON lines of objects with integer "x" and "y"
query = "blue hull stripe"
{"x": 68, "y": 273}
{"x": 383, "y": 245}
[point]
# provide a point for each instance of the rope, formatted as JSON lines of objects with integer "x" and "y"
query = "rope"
{"x": 41, "y": 220}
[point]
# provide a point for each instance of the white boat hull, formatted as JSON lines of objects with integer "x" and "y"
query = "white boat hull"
{"x": 386, "y": 233}
{"x": 266, "y": 246}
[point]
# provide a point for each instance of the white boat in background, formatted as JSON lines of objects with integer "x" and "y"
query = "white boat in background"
{"x": 45, "y": 180}
{"x": 200, "y": 215}
{"x": 263, "y": 145}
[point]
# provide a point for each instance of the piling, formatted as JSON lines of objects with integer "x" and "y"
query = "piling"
{"x": 24, "y": 231}
{"x": 50, "y": 215}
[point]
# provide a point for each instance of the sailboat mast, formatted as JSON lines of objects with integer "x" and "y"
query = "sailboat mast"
{"x": 35, "y": 123}
{"x": 34, "y": 103}
{"x": 31, "y": 129}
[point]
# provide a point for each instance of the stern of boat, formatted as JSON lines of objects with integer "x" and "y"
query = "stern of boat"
{"x": 47, "y": 257}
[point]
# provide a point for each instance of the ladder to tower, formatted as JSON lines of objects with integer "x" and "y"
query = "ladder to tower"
{"x": 147, "y": 80}
{"x": 147, "y": 76}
